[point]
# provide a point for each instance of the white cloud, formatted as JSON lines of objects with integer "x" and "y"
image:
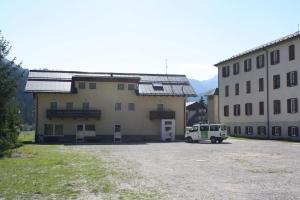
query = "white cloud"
{"x": 195, "y": 71}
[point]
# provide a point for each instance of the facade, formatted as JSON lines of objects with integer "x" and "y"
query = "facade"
{"x": 213, "y": 106}
{"x": 195, "y": 113}
{"x": 259, "y": 90}
{"x": 81, "y": 106}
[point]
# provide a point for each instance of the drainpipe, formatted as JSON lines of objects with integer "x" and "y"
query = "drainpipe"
{"x": 268, "y": 112}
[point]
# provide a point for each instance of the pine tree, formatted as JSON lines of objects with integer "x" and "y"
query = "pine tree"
{"x": 9, "y": 112}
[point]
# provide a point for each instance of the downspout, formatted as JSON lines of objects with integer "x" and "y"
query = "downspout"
{"x": 268, "y": 113}
{"x": 36, "y": 117}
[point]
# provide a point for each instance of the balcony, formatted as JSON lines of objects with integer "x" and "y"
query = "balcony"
{"x": 64, "y": 113}
{"x": 162, "y": 115}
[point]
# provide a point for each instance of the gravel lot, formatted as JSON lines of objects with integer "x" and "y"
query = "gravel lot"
{"x": 238, "y": 169}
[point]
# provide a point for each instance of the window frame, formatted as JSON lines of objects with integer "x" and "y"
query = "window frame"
{"x": 120, "y": 86}
{"x": 118, "y": 107}
{"x": 92, "y": 85}
{"x": 292, "y": 105}
{"x": 81, "y": 85}
{"x": 236, "y": 68}
{"x": 276, "y": 81}
{"x": 261, "y": 108}
{"x": 276, "y": 107}
{"x": 292, "y": 79}
{"x": 248, "y": 65}
{"x": 248, "y": 109}
{"x": 261, "y": 84}
{"x": 131, "y": 107}
{"x": 248, "y": 87}
{"x": 292, "y": 54}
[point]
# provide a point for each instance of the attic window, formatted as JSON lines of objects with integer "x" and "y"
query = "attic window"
{"x": 157, "y": 86}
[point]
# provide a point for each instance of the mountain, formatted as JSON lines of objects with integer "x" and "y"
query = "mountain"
{"x": 201, "y": 87}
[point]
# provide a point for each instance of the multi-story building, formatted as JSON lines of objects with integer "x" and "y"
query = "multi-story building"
{"x": 213, "y": 106}
{"x": 259, "y": 90}
{"x": 82, "y": 106}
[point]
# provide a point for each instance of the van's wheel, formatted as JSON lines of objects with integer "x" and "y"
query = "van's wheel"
{"x": 189, "y": 139}
{"x": 213, "y": 140}
{"x": 220, "y": 140}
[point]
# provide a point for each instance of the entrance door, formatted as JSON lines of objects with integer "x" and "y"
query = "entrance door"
{"x": 80, "y": 132}
{"x": 117, "y": 133}
{"x": 167, "y": 130}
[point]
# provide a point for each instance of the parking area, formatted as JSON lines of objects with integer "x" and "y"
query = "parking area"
{"x": 236, "y": 169}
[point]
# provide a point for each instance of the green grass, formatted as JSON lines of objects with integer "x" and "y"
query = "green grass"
{"x": 59, "y": 172}
{"x": 48, "y": 171}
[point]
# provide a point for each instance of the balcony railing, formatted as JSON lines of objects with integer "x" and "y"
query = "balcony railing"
{"x": 65, "y": 113}
{"x": 162, "y": 114}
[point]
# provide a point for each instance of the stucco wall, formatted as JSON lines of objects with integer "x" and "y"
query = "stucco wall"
{"x": 104, "y": 98}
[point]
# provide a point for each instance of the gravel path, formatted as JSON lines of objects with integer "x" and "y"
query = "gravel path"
{"x": 237, "y": 169}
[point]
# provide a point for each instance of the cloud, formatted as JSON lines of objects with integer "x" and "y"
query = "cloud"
{"x": 195, "y": 71}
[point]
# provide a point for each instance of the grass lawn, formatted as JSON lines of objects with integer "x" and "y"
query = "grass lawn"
{"x": 53, "y": 171}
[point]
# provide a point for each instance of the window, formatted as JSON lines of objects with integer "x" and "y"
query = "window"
{"x": 248, "y": 87}
{"x": 261, "y": 108}
{"x": 292, "y": 78}
{"x": 261, "y": 84}
{"x": 160, "y": 107}
{"x": 81, "y": 85}
{"x": 117, "y": 128}
{"x": 120, "y": 86}
{"x": 51, "y": 130}
{"x": 131, "y": 86}
{"x": 204, "y": 128}
{"x": 53, "y": 105}
{"x": 131, "y": 106}
{"x": 275, "y": 57}
{"x": 293, "y": 131}
{"x": 247, "y": 65}
{"x": 228, "y": 130}
{"x": 261, "y": 130}
{"x": 236, "y": 110}
{"x": 90, "y": 127}
{"x": 226, "y": 91}
{"x": 237, "y": 130}
{"x": 260, "y": 61}
{"x": 80, "y": 127}
{"x": 226, "y": 111}
{"x": 292, "y": 52}
{"x": 236, "y": 68}
{"x": 237, "y": 89}
{"x": 214, "y": 127}
{"x": 92, "y": 85}
{"x": 194, "y": 129}
{"x": 157, "y": 86}
{"x": 277, "y": 107}
{"x": 118, "y": 107}
{"x": 276, "y": 130}
{"x": 249, "y": 130}
{"x": 48, "y": 129}
{"x": 225, "y": 71}
{"x": 85, "y": 106}
{"x": 248, "y": 109}
{"x": 69, "y": 105}
{"x": 59, "y": 129}
{"x": 292, "y": 105}
{"x": 276, "y": 81}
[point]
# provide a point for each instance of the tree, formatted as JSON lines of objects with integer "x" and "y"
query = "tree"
{"x": 202, "y": 102}
{"x": 9, "y": 111}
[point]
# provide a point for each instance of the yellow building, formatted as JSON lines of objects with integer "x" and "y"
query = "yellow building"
{"x": 83, "y": 106}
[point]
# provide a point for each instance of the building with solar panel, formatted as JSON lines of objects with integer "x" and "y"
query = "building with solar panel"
{"x": 75, "y": 106}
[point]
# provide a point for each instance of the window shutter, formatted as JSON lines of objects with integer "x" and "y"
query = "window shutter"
{"x": 272, "y": 58}
{"x": 273, "y": 130}
{"x": 245, "y": 65}
{"x": 279, "y": 129}
{"x": 296, "y": 78}
{"x": 278, "y": 56}
{"x": 296, "y": 105}
{"x": 263, "y": 60}
{"x": 288, "y": 78}
{"x": 297, "y": 131}
{"x": 289, "y": 109}
{"x": 257, "y": 62}
{"x": 289, "y": 131}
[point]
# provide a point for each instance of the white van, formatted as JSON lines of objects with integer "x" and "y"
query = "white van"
{"x": 213, "y": 132}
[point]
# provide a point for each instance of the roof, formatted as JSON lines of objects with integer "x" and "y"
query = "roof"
{"x": 40, "y": 81}
{"x": 264, "y": 46}
{"x": 212, "y": 92}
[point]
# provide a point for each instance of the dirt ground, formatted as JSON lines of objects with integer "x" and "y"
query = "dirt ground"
{"x": 237, "y": 169}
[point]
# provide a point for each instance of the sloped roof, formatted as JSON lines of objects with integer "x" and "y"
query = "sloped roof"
{"x": 267, "y": 45}
{"x": 212, "y": 92}
{"x": 61, "y": 82}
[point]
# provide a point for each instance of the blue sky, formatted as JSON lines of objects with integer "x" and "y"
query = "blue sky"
{"x": 138, "y": 35}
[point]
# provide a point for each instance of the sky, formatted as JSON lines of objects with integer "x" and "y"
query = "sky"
{"x": 138, "y": 36}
